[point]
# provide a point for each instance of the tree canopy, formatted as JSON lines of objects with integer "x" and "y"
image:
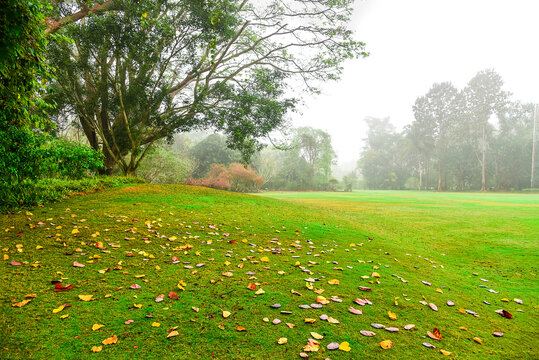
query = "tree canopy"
{"x": 142, "y": 71}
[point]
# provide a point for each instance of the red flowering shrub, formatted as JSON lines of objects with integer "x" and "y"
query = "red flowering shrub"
{"x": 236, "y": 178}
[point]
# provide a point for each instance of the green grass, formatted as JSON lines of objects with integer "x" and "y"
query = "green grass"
{"x": 440, "y": 238}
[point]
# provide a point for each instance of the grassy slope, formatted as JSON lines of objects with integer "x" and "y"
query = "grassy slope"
{"x": 494, "y": 235}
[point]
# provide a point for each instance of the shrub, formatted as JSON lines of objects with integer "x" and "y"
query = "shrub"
{"x": 68, "y": 159}
{"x": 163, "y": 166}
{"x": 31, "y": 193}
{"x": 236, "y": 178}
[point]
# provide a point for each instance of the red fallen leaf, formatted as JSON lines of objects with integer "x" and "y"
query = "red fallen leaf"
{"x": 232, "y": 241}
{"x": 173, "y": 295}
{"x": 506, "y": 314}
{"x": 19, "y": 233}
{"x": 15, "y": 263}
{"x": 60, "y": 287}
{"x": 251, "y": 286}
{"x": 435, "y": 334}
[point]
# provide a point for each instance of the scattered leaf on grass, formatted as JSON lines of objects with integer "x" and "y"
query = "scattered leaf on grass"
{"x": 172, "y": 334}
{"x": 97, "y": 327}
{"x": 386, "y": 344}
{"x": 111, "y": 340}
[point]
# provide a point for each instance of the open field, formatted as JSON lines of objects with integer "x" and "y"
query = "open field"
{"x": 214, "y": 244}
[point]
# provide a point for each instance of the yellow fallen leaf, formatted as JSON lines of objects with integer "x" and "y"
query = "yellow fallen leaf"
{"x": 110, "y": 340}
{"x": 386, "y": 344}
{"x": 463, "y": 328}
{"x": 282, "y": 341}
{"x": 227, "y": 263}
{"x": 264, "y": 259}
{"x": 332, "y": 320}
{"x": 260, "y": 292}
{"x": 446, "y": 353}
{"x": 478, "y": 340}
{"x": 97, "y": 327}
{"x": 64, "y": 316}
{"x": 439, "y": 291}
{"x": 375, "y": 274}
{"x": 195, "y": 309}
{"x": 138, "y": 306}
{"x": 86, "y": 297}
{"x": 97, "y": 348}
{"x": 392, "y": 315}
{"x": 6, "y": 257}
{"x": 505, "y": 300}
{"x": 75, "y": 231}
{"x": 309, "y": 320}
{"x": 317, "y": 336}
{"x": 58, "y": 309}
{"x": 39, "y": 247}
{"x": 172, "y": 334}
{"x": 345, "y": 346}
{"x": 226, "y": 314}
{"x": 333, "y": 282}
{"x": 156, "y": 324}
{"x": 221, "y": 326}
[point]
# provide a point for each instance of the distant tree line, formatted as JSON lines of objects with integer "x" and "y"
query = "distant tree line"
{"x": 452, "y": 144}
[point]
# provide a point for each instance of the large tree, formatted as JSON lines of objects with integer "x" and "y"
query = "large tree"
{"x": 144, "y": 70}
{"x": 434, "y": 114}
{"x": 484, "y": 97}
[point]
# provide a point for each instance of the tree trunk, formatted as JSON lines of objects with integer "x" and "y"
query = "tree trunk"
{"x": 420, "y": 175}
{"x": 439, "y": 176}
{"x": 484, "y": 148}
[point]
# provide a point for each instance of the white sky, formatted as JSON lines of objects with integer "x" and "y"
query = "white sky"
{"x": 414, "y": 43}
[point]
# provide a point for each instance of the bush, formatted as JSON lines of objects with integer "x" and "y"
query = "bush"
{"x": 31, "y": 193}
{"x": 236, "y": 178}
{"x": 163, "y": 166}
{"x": 69, "y": 159}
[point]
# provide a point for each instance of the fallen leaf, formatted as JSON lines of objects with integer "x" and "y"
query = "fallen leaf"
{"x": 97, "y": 348}
{"x": 345, "y": 346}
{"x": 86, "y": 297}
{"x": 173, "y": 295}
{"x": 317, "y": 336}
{"x": 97, "y": 327}
{"x": 78, "y": 264}
{"x": 58, "y": 309}
{"x": 435, "y": 334}
{"x": 110, "y": 340}
{"x": 355, "y": 311}
{"x": 60, "y": 287}
{"x": 282, "y": 341}
{"x": 226, "y": 314}
{"x": 333, "y": 282}
{"x": 367, "y": 333}
{"x": 241, "y": 328}
{"x": 156, "y": 324}
{"x": 173, "y": 333}
{"x": 386, "y": 344}
{"x": 22, "y": 303}
{"x": 444, "y": 352}
{"x": 264, "y": 259}
{"x": 478, "y": 340}
{"x": 392, "y": 315}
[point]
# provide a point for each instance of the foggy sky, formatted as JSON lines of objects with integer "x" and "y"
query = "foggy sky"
{"x": 414, "y": 43}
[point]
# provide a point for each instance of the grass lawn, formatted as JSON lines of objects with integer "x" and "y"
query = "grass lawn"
{"x": 139, "y": 242}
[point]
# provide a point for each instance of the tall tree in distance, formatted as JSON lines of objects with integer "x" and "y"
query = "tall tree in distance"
{"x": 434, "y": 114}
{"x": 484, "y": 97}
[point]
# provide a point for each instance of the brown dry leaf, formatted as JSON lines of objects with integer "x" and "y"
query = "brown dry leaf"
{"x": 173, "y": 295}
{"x": 22, "y": 303}
{"x": 386, "y": 344}
{"x": 110, "y": 340}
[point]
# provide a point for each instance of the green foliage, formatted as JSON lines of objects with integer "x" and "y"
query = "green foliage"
{"x": 31, "y": 193}
{"x": 28, "y": 155}
{"x": 68, "y": 159}
{"x": 163, "y": 166}
{"x": 212, "y": 150}
{"x": 24, "y": 70}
